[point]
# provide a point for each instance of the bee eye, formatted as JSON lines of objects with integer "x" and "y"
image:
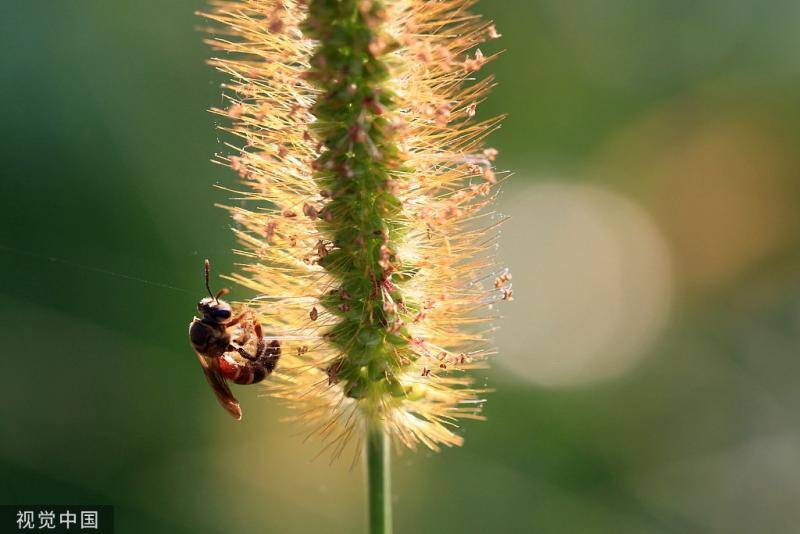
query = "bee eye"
{"x": 222, "y": 314}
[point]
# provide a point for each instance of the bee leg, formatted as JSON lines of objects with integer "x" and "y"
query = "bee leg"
{"x": 266, "y": 356}
{"x": 260, "y": 346}
{"x": 272, "y": 354}
{"x": 243, "y": 337}
{"x": 268, "y": 353}
{"x": 236, "y": 320}
{"x": 246, "y": 355}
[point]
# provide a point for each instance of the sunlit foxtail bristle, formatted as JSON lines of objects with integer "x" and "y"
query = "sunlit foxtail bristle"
{"x": 366, "y": 233}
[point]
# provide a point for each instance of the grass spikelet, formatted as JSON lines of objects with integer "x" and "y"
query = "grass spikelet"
{"x": 366, "y": 232}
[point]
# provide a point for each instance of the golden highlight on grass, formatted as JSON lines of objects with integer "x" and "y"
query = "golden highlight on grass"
{"x": 367, "y": 233}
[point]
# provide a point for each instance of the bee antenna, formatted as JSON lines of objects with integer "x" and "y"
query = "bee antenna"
{"x": 223, "y": 291}
{"x": 208, "y": 287}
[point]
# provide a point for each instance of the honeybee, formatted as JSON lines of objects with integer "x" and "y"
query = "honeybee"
{"x": 230, "y": 349}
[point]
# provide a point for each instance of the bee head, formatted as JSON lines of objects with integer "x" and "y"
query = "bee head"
{"x": 211, "y": 306}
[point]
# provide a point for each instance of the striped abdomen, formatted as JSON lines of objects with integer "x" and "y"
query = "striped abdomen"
{"x": 242, "y": 371}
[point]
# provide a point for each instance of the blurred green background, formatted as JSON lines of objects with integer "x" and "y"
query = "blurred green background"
{"x": 648, "y": 375}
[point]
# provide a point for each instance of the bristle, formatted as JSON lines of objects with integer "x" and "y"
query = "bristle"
{"x": 367, "y": 235}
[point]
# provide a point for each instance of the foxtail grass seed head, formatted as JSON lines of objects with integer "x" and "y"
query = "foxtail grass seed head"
{"x": 367, "y": 234}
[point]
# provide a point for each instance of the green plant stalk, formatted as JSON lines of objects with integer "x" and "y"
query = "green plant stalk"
{"x": 379, "y": 494}
{"x": 362, "y": 220}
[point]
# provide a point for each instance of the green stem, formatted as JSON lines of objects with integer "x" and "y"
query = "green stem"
{"x": 379, "y": 491}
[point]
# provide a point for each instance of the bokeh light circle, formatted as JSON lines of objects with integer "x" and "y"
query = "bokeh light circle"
{"x": 592, "y": 282}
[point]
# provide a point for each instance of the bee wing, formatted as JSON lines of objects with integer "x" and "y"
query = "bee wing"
{"x": 220, "y": 386}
